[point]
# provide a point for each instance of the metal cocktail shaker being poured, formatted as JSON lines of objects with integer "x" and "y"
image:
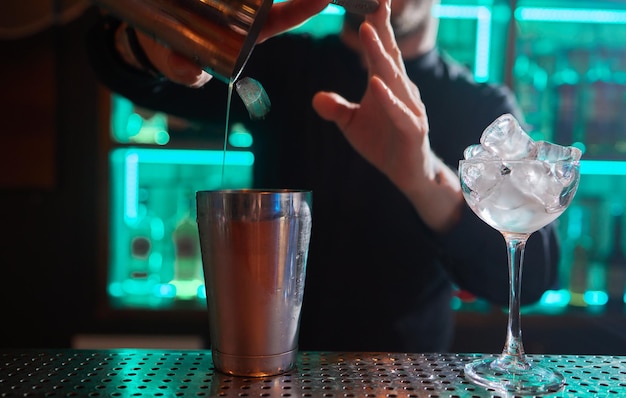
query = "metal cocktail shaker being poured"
{"x": 218, "y": 35}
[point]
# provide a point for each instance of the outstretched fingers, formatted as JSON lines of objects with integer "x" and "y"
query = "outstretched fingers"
{"x": 402, "y": 115}
{"x": 384, "y": 65}
{"x": 381, "y": 22}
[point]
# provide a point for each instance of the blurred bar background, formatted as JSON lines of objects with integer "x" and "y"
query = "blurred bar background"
{"x": 97, "y": 194}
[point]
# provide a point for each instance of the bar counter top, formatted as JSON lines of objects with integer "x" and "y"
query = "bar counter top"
{"x": 190, "y": 373}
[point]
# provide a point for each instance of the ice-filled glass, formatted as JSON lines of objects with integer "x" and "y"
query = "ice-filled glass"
{"x": 517, "y": 186}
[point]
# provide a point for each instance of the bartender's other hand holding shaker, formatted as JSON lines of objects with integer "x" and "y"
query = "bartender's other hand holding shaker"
{"x": 160, "y": 45}
{"x": 170, "y": 63}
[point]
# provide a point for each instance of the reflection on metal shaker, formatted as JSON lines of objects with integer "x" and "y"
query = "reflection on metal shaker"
{"x": 219, "y": 35}
{"x": 254, "y": 250}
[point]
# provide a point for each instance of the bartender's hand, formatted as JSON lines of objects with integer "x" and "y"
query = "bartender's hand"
{"x": 282, "y": 16}
{"x": 389, "y": 127}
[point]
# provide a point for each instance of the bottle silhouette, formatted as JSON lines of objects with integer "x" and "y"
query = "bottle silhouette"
{"x": 187, "y": 261}
{"x": 580, "y": 242}
{"x": 145, "y": 260}
{"x": 566, "y": 82}
{"x": 603, "y": 101}
{"x": 578, "y": 276}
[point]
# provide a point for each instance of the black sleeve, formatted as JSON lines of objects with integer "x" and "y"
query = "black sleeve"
{"x": 475, "y": 255}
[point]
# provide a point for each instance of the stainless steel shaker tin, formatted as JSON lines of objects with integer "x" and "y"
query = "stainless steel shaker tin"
{"x": 218, "y": 35}
{"x": 254, "y": 250}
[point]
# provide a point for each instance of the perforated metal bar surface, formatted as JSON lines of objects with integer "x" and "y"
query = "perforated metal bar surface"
{"x": 162, "y": 373}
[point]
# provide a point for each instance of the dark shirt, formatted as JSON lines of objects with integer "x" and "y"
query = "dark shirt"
{"x": 378, "y": 279}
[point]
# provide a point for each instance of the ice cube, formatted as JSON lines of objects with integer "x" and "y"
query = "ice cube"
{"x": 254, "y": 97}
{"x": 550, "y": 152}
{"x": 508, "y": 196}
{"x": 536, "y": 179}
{"x": 565, "y": 172}
{"x": 569, "y": 180}
{"x": 477, "y": 151}
{"x": 507, "y": 140}
{"x": 479, "y": 179}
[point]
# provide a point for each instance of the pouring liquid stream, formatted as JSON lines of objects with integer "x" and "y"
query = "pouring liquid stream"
{"x": 229, "y": 97}
{"x": 256, "y": 101}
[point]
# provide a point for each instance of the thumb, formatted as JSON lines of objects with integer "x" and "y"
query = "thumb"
{"x": 334, "y": 108}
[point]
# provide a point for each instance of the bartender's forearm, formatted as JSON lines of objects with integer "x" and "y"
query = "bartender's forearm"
{"x": 438, "y": 199}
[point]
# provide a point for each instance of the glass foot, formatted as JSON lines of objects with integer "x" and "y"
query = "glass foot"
{"x": 514, "y": 375}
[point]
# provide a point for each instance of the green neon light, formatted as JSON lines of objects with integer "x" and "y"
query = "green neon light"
{"x": 186, "y": 156}
{"x": 603, "y": 167}
{"x": 458, "y": 11}
{"x": 161, "y": 137}
{"x": 580, "y": 15}
{"x": 131, "y": 184}
{"x": 483, "y": 44}
{"x": 555, "y": 298}
{"x": 115, "y": 289}
{"x": 481, "y": 14}
{"x": 483, "y": 17}
{"x": 165, "y": 290}
{"x": 456, "y": 303}
{"x": 332, "y": 9}
{"x": 187, "y": 289}
{"x": 133, "y": 124}
{"x": 596, "y": 297}
{"x": 132, "y": 157}
{"x": 240, "y": 139}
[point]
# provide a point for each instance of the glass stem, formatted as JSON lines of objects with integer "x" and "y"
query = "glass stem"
{"x": 516, "y": 243}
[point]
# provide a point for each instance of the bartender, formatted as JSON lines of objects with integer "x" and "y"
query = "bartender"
{"x": 373, "y": 120}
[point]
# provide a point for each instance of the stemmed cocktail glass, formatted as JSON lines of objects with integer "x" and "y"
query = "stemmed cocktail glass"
{"x": 517, "y": 198}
